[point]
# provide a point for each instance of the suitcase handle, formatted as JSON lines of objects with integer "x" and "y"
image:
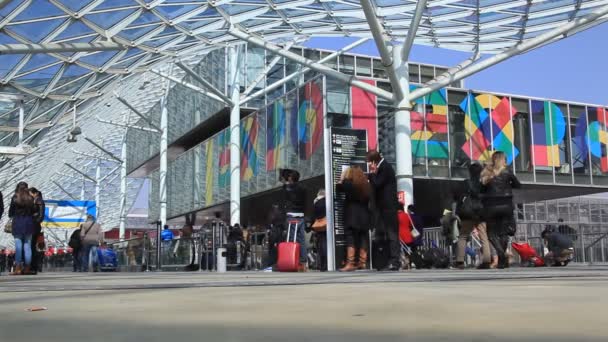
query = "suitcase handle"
{"x": 295, "y": 233}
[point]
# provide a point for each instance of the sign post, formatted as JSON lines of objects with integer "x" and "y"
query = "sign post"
{"x": 348, "y": 148}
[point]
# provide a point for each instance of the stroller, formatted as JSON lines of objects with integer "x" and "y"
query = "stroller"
{"x": 528, "y": 255}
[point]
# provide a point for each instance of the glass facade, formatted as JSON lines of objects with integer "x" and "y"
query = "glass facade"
{"x": 546, "y": 142}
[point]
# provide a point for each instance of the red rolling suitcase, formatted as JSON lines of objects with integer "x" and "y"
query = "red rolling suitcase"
{"x": 288, "y": 258}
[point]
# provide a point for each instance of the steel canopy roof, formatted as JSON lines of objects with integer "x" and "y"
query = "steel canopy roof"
{"x": 155, "y": 33}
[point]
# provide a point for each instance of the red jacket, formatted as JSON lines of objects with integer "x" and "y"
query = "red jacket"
{"x": 405, "y": 227}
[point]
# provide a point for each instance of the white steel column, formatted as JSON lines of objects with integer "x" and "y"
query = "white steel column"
{"x": 97, "y": 187}
{"x": 21, "y": 125}
{"x": 123, "y": 189}
{"x": 329, "y": 185}
{"x": 403, "y": 142}
{"x": 394, "y": 59}
{"x": 235, "y": 136}
{"x": 163, "y": 157}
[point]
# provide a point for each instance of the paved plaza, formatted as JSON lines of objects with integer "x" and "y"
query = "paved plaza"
{"x": 512, "y": 305}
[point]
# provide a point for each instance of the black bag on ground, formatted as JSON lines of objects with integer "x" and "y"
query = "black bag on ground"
{"x": 380, "y": 254}
{"x": 435, "y": 258}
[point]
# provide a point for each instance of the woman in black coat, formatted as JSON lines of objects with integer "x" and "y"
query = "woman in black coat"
{"x": 357, "y": 218}
{"x": 498, "y": 184}
{"x": 37, "y": 235}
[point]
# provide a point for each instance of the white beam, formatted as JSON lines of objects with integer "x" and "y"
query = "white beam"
{"x": 14, "y": 49}
{"x": 348, "y": 79}
{"x": 523, "y": 47}
{"x": 327, "y": 58}
{"x": 205, "y": 83}
{"x": 381, "y": 39}
{"x": 22, "y": 150}
{"x": 413, "y": 29}
{"x": 81, "y": 173}
{"x": 110, "y": 154}
{"x": 136, "y": 112}
{"x": 120, "y": 124}
{"x": 187, "y": 85}
{"x": 65, "y": 191}
{"x": 266, "y": 70}
{"x": 91, "y": 156}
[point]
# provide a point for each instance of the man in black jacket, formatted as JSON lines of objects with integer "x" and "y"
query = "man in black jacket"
{"x": 383, "y": 180}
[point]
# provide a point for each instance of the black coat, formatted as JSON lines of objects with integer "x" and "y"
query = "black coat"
{"x": 499, "y": 191}
{"x": 356, "y": 209}
{"x": 294, "y": 198}
{"x": 384, "y": 183}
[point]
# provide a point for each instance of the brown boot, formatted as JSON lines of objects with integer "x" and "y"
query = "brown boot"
{"x": 17, "y": 270}
{"x": 27, "y": 271}
{"x": 362, "y": 259}
{"x": 350, "y": 260}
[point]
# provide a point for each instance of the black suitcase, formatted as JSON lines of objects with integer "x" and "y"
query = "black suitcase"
{"x": 380, "y": 254}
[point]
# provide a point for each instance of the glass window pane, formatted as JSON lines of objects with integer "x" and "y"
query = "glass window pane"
{"x": 580, "y": 152}
{"x": 364, "y": 66}
{"x": 459, "y": 150}
{"x": 522, "y": 139}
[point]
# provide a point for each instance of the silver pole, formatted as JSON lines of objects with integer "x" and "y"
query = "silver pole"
{"x": 21, "y": 125}
{"x": 123, "y": 189}
{"x": 97, "y": 187}
{"x": 329, "y": 186}
{"x": 14, "y": 49}
{"x": 235, "y": 137}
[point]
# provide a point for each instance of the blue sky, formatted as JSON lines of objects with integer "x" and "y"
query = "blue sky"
{"x": 573, "y": 69}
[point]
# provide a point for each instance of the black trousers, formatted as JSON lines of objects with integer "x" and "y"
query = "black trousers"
{"x": 388, "y": 229}
{"x": 357, "y": 238}
{"x": 321, "y": 247}
{"x": 498, "y": 227}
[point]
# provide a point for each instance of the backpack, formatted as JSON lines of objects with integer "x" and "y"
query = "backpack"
{"x": 75, "y": 242}
{"x": 469, "y": 206}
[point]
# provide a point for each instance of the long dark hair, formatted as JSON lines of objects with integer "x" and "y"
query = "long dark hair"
{"x": 22, "y": 195}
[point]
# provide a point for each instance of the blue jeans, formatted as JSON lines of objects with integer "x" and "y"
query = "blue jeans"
{"x": 23, "y": 245}
{"x": 88, "y": 253}
{"x": 300, "y": 236}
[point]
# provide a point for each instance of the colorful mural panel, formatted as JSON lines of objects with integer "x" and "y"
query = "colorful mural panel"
{"x": 223, "y": 141}
{"x": 489, "y": 126}
{"x": 306, "y": 126}
{"x": 548, "y": 132}
{"x": 249, "y": 147}
{"x": 591, "y": 138}
{"x": 365, "y": 113}
{"x": 209, "y": 171}
{"x": 430, "y": 129}
{"x": 275, "y": 135}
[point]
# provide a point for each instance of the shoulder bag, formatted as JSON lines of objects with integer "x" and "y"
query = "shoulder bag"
{"x": 8, "y": 227}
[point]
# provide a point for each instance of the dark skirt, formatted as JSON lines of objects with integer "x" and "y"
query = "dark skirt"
{"x": 23, "y": 225}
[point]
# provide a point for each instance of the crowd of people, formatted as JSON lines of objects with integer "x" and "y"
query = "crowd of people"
{"x": 26, "y": 213}
{"x": 25, "y": 216}
{"x": 483, "y": 208}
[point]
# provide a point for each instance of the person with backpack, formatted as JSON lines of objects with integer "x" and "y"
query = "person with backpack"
{"x": 21, "y": 213}
{"x": 498, "y": 184}
{"x": 469, "y": 211}
{"x": 37, "y": 237}
{"x": 90, "y": 237}
{"x": 76, "y": 246}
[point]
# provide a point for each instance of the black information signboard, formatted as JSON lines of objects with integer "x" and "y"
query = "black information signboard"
{"x": 348, "y": 147}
